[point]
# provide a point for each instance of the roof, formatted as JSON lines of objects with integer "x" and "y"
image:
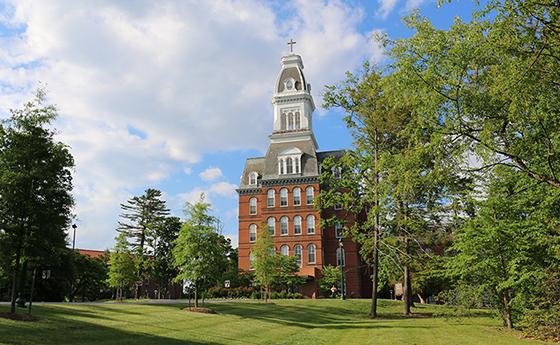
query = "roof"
{"x": 94, "y": 254}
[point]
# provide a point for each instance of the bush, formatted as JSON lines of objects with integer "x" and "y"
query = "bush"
{"x": 238, "y": 292}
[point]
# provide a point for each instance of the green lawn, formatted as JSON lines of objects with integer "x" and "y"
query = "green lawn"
{"x": 284, "y": 322}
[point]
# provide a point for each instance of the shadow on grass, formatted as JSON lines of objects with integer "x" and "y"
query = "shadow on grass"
{"x": 56, "y": 326}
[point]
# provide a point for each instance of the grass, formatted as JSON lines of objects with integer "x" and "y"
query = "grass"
{"x": 284, "y": 322}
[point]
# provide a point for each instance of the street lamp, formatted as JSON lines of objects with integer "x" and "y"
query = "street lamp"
{"x": 74, "y": 226}
{"x": 341, "y": 251}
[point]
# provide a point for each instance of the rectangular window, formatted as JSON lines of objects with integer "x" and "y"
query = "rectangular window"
{"x": 283, "y": 197}
{"x": 338, "y": 206}
{"x": 297, "y": 196}
{"x": 338, "y": 230}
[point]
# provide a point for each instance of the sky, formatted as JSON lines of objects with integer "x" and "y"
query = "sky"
{"x": 176, "y": 95}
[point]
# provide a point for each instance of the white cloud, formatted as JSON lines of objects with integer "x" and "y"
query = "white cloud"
{"x": 211, "y": 174}
{"x": 385, "y": 7}
{"x": 190, "y": 77}
{"x": 413, "y": 4}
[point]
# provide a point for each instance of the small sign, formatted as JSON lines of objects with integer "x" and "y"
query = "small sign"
{"x": 46, "y": 274}
{"x": 227, "y": 283}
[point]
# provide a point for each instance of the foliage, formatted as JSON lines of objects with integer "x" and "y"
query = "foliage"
{"x": 89, "y": 277}
{"x": 234, "y": 292}
{"x": 265, "y": 262}
{"x": 35, "y": 186}
{"x": 505, "y": 250}
{"x": 287, "y": 279}
{"x": 200, "y": 251}
{"x": 164, "y": 271}
{"x": 122, "y": 268}
{"x": 142, "y": 217}
{"x": 330, "y": 276}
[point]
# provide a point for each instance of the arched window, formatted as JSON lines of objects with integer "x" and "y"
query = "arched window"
{"x": 297, "y": 165}
{"x": 252, "y": 233}
{"x": 270, "y": 196}
{"x": 340, "y": 259}
{"x": 298, "y": 120}
{"x": 297, "y": 225}
{"x": 271, "y": 224}
{"x": 283, "y": 121}
{"x": 290, "y": 121}
{"x": 309, "y": 195}
{"x": 297, "y": 196}
{"x": 283, "y": 197}
{"x": 253, "y": 176}
{"x": 253, "y": 206}
{"x": 280, "y": 166}
{"x": 289, "y": 165}
{"x": 311, "y": 249}
{"x": 338, "y": 230}
{"x": 285, "y": 250}
{"x": 284, "y": 225}
{"x": 311, "y": 224}
{"x": 297, "y": 253}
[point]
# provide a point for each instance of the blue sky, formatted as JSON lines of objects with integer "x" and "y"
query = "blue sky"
{"x": 175, "y": 95}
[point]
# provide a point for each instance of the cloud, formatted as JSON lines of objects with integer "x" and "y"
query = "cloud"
{"x": 146, "y": 89}
{"x": 385, "y": 7}
{"x": 413, "y": 4}
{"x": 220, "y": 189}
{"x": 211, "y": 174}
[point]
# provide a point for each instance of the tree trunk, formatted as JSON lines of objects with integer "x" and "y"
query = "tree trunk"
{"x": 506, "y": 311}
{"x": 15, "y": 287}
{"x": 406, "y": 290}
{"x": 195, "y": 297}
{"x": 375, "y": 274}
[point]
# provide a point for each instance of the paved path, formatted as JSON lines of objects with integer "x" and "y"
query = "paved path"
{"x": 144, "y": 301}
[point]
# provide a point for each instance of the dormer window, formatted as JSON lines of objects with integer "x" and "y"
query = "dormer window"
{"x": 289, "y": 84}
{"x": 253, "y": 176}
{"x": 289, "y": 161}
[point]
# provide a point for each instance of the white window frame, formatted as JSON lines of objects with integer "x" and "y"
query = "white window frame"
{"x": 340, "y": 257}
{"x": 284, "y": 197}
{"x": 309, "y": 251}
{"x": 286, "y": 248}
{"x": 338, "y": 206}
{"x": 284, "y": 220}
{"x": 253, "y": 178}
{"x": 268, "y": 227}
{"x": 252, "y": 233}
{"x": 253, "y": 208}
{"x": 270, "y": 195}
{"x": 298, "y": 221}
{"x": 296, "y": 192}
{"x": 309, "y": 197}
{"x": 307, "y": 223}
{"x": 339, "y": 231}
{"x": 299, "y": 256}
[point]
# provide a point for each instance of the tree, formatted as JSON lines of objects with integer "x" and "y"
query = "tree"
{"x": 330, "y": 276}
{"x": 89, "y": 277}
{"x": 504, "y": 251}
{"x": 142, "y": 216}
{"x": 265, "y": 262}
{"x": 35, "y": 186}
{"x": 164, "y": 271}
{"x": 288, "y": 279}
{"x": 122, "y": 268}
{"x": 199, "y": 254}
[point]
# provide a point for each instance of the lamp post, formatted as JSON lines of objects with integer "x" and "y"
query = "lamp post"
{"x": 74, "y": 226}
{"x": 342, "y": 287}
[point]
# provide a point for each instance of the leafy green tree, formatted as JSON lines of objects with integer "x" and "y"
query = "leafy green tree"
{"x": 504, "y": 251}
{"x": 122, "y": 268}
{"x": 89, "y": 277}
{"x": 264, "y": 262}
{"x": 35, "y": 186}
{"x": 164, "y": 270}
{"x": 330, "y": 276}
{"x": 199, "y": 254}
{"x": 142, "y": 216}
{"x": 288, "y": 279}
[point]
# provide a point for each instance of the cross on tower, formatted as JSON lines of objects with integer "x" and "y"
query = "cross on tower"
{"x": 291, "y": 44}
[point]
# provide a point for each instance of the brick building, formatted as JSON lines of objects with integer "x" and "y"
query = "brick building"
{"x": 277, "y": 191}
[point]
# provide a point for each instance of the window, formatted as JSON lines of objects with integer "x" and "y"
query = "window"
{"x": 283, "y": 197}
{"x": 297, "y": 254}
{"x": 290, "y": 121}
{"x": 338, "y": 230}
{"x": 297, "y": 225}
{"x": 283, "y": 120}
{"x": 270, "y": 196}
{"x": 297, "y": 196}
{"x": 289, "y": 165}
{"x": 285, "y": 250}
{"x": 281, "y": 167}
{"x": 253, "y": 206}
{"x": 252, "y": 233}
{"x": 252, "y": 259}
{"x": 271, "y": 224}
{"x": 311, "y": 224}
{"x": 338, "y": 206}
{"x": 309, "y": 195}
{"x": 337, "y": 172}
{"x": 284, "y": 226}
{"x": 296, "y": 165}
{"x": 311, "y": 249}
{"x": 340, "y": 259}
{"x": 253, "y": 176}
{"x": 298, "y": 121}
